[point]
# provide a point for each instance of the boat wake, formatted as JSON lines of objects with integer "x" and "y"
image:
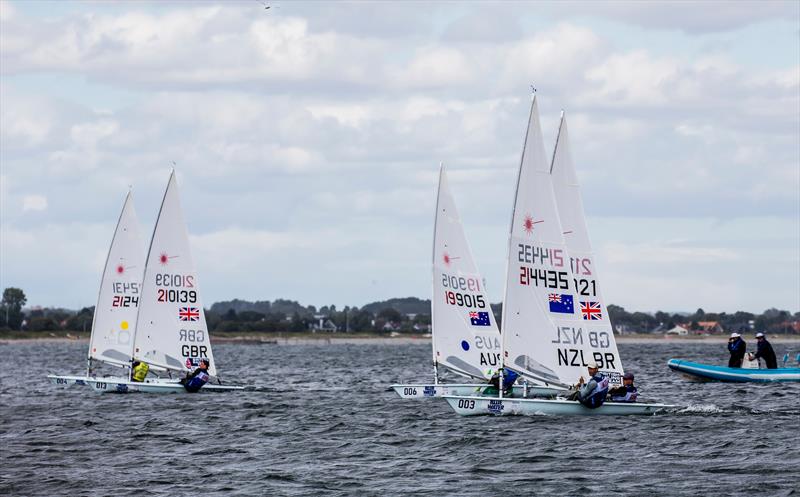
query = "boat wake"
{"x": 713, "y": 409}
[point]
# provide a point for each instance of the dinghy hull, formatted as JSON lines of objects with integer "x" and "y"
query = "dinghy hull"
{"x": 494, "y": 406}
{"x": 118, "y": 385}
{"x": 710, "y": 372}
{"x": 431, "y": 390}
{"x": 67, "y": 380}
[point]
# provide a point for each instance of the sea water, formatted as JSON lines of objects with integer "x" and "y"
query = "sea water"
{"x": 320, "y": 421}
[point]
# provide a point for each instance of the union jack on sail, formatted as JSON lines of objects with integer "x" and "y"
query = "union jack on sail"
{"x": 591, "y": 311}
{"x": 189, "y": 314}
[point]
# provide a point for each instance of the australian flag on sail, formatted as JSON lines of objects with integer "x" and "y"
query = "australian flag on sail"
{"x": 561, "y": 302}
{"x": 189, "y": 314}
{"x": 479, "y": 318}
{"x": 591, "y": 311}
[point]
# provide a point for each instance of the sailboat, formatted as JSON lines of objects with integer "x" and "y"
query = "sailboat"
{"x": 171, "y": 332}
{"x": 465, "y": 337}
{"x": 711, "y": 372}
{"x": 111, "y": 340}
{"x": 547, "y": 336}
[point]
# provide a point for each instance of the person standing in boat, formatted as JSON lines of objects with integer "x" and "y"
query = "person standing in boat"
{"x": 737, "y": 347}
{"x": 765, "y": 351}
{"x": 626, "y": 392}
{"x": 591, "y": 393}
{"x": 139, "y": 371}
{"x": 195, "y": 380}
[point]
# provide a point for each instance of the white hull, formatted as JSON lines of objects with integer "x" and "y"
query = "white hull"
{"x": 477, "y": 406}
{"x": 123, "y": 385}
{"x": 67, "y": 380}
{"x": 430, "y": 390}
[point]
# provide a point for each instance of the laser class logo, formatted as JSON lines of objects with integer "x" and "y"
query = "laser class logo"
{"x": 529, "y": 224}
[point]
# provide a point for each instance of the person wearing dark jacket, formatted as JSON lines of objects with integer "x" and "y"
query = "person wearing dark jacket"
{"x": 195, "y": 380}
{"x": 764, "y": 351}
{"x": 626, "y": 392}
{"x": 737, "y": 347}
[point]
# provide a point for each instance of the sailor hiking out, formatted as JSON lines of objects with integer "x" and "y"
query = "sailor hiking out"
{"x": 593, "y": 393}
{"x": 139, "y": 371}
{"x": 195, "y": 380}
{"x": 626, "y": 392}
{"x": 509, "y": 378}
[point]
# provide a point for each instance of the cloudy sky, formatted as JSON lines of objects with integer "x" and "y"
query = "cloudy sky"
{"x": 307, "y": 139}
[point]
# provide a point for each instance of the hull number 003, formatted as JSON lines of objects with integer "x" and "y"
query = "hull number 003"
{"x": 466, "y": 404}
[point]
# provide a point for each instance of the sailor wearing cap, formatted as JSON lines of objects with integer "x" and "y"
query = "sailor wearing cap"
{"x": 737, "y": 348}
{"x": 764, "y": 351}
{"x": 593, "y": 393}
{"x": 626, "y": 392}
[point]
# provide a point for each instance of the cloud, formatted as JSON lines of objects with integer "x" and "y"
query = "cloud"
{"x": 307, "y": 143}
{"x": 693, "y": 17}
{"x": 34, "y": 203}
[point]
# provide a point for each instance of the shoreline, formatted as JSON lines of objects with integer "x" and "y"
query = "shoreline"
{"x": 373, "y": 339}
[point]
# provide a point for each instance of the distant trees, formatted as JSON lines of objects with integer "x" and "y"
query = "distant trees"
{"x": 408, "y": 314}
{"x": 13, "y": 300}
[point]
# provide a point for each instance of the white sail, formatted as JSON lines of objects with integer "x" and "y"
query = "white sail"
{"x": 589, "y": 300}
{"x": 118, "y": 300}
{"x": 171, "y": 329}
{"x": 544, "y": 337}
{"x": 465, "y": 335}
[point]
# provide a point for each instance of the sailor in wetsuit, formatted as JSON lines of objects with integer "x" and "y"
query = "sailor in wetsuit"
{"x": 737, "y": 348}
{"x": 509, "y": 377}
{"x": 593, "y": 393}
{"x": 765, "y": 351}
{"x": 626, "y": 392}
{"x": 139, "y": 371}
{"x": 195, "y": 380}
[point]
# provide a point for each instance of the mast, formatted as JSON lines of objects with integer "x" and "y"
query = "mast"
{"x": 100, "y": 288}
{"x": 508, "y": 244}
{"x": 433, "y": 275}
{"x": 558, "y": 139}
{"x": 147, "y": 263}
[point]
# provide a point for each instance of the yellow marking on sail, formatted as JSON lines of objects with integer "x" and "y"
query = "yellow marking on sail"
{"x": 124, "y": 325}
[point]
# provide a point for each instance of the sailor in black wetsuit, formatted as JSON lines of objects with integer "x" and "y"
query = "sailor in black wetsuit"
{"x": 737, "y": 348}
{"x": 626, "y": 392}
{"x": 764, "y": 351}
{"x": 195, "y": 380}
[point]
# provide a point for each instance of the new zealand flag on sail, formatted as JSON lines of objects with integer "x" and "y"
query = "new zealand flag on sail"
{"x": 479, "y": 318}
{"x": 561, "y": 302}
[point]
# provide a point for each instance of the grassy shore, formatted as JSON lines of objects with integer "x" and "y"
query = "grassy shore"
{"x": 288, "y": 338}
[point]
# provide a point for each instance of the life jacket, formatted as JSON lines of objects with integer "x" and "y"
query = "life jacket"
{"x": 509, "y": 377}
{"x": 630, "y": 395}
{"x": 140, "y": 371}
{"x": 597, "y": 396}
{"x": 197, "y": 382}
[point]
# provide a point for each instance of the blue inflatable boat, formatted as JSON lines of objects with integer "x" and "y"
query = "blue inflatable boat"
{"x": 724, "y": 373}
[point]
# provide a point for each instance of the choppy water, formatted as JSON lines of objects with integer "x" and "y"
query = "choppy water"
{"x": 322, "y": 423}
